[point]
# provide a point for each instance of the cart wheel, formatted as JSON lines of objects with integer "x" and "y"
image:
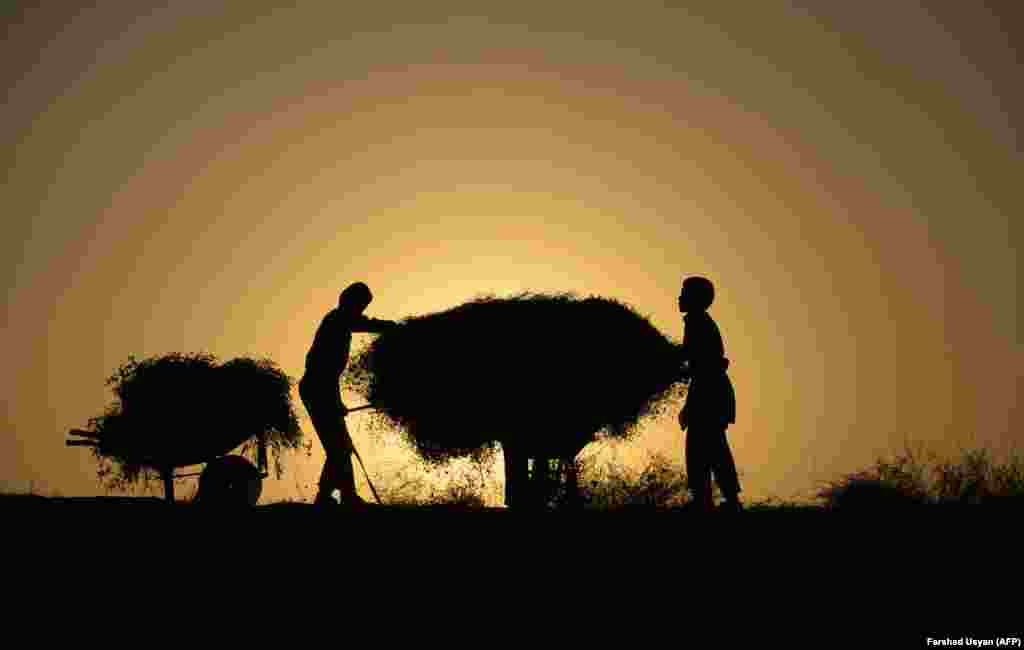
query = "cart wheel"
{"x": 230, "y": 481}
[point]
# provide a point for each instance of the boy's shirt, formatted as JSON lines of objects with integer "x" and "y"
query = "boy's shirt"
{"x": 711, "y": 399}
{"x": 702, "y": 343}
{"x": 328, "y": 355}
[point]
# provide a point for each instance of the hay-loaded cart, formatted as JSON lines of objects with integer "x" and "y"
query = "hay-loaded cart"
{"x": 541, "y": 374}
{"x": 181, "y": 410}
{"x": 226, "y": 480}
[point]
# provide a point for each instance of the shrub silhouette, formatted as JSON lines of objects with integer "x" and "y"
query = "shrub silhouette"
{"x": 864, "y": 492}
{"x": 547, "y": 373}
{"x": 910, "y": 480}
{"x": 180, "y": 409}
{"x": 889, "y": 484}
{"x": 977, "y": 478}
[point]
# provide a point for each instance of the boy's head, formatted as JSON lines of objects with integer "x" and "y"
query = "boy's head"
{"x": 697, "y": 294}
{"x": 356, "y": 298}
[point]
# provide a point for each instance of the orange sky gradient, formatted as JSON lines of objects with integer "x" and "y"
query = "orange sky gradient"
{"x": 200, "y": 178}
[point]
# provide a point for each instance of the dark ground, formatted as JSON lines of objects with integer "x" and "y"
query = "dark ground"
{"x": 1000, "y": 505}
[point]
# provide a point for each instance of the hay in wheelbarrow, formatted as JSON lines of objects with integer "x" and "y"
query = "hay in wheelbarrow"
{"x": 178, "y": 410}
{"x": 544, "y": 372}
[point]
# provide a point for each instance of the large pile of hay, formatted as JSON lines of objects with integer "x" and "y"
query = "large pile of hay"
{"x": 547, "y": 372}
{"x": 178, "y": 410}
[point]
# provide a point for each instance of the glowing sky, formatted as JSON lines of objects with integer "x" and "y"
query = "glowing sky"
{"x": 207, "y": 178}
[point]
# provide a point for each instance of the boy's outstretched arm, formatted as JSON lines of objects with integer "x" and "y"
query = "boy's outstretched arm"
{"x": 373, "y": 325}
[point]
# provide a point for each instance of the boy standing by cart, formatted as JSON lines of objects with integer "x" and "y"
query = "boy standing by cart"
{"x": 710, "y": 401}
{"x": 319, "y": 389}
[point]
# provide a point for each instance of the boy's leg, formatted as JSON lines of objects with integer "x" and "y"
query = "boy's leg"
{"x": 341, "y": 467}
{"x": 724, "y": 467}
{"x": 310, "y": 400}
{"x": 337, "y": 472}
{"x": 698, "y": 468}
{"x": 325, "y": 488}
{"x": 332, "y": 474}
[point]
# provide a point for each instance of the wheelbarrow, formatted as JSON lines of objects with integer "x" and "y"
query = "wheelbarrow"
{"x": 226, "y": 479}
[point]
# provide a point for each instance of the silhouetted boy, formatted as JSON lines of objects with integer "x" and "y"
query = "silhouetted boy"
{"x": 320, "y": 390}
{"x": 710, "y": 401}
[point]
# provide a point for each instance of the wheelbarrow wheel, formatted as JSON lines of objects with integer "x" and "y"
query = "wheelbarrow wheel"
{"x": 230, "y": 481}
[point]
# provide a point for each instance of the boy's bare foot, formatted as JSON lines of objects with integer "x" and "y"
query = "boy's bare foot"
{"x": 731, "y": 506}
{"x": 352, "y": 502}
